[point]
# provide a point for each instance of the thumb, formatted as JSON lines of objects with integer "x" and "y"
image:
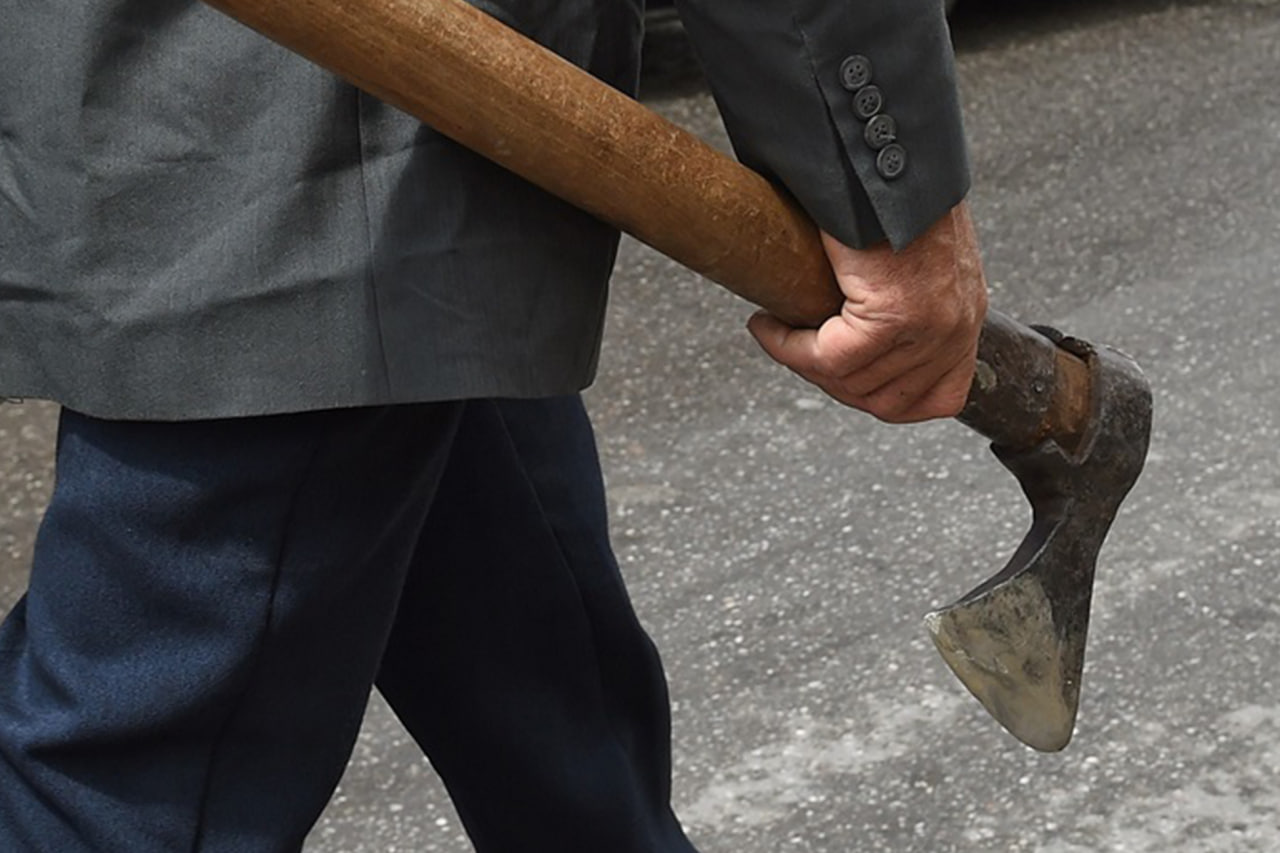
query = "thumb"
{"x": 770, "y": 332}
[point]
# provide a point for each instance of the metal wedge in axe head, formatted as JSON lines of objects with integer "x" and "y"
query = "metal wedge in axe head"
{"x": 1070, "y": 420}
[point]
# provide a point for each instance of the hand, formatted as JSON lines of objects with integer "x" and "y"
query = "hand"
{"x": 904, "y": 345}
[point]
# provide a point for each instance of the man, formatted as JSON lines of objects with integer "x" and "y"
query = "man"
{"x": 319, "y": 369}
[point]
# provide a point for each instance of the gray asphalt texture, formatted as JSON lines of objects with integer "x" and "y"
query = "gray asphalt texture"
{"x": 782, "y": 549}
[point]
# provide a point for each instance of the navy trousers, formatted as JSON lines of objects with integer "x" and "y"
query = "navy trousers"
{"x": 211, "y": 602}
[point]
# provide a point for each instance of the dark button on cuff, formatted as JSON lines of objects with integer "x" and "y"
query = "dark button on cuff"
{"x": 867, "y": 101}
{"x": 892, "y": 161}
{"x": 880, "y": 131}
{"x": 855, "y": 72}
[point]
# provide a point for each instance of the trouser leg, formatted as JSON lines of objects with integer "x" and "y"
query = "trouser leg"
{"x": 517, "y": 661}
{"x": 207, "y": 608}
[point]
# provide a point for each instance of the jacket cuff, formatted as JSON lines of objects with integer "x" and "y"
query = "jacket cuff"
{"x": 893, "y": 101}
{"x": 852, "y": 107}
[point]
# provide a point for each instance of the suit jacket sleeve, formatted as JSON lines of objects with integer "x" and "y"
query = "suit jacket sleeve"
{"x": 791, "y": 79}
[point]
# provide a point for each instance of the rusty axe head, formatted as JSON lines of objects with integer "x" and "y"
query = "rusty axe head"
{"x": 1017, "y": 641}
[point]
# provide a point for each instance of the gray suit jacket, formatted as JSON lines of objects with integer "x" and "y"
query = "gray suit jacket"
{"x": 196, "y": 223}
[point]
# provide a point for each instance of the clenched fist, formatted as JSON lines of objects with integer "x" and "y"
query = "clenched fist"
{"x": 904, "y": 345}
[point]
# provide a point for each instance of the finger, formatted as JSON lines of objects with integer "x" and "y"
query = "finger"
{"x": 922, "y": 362}
{"x": 787, "y": 345}
{"x": 779, "y": 341}
{"x": 893, "y": 366}
{"x": 916, "y": 397}
{"x": 833, "y": 351}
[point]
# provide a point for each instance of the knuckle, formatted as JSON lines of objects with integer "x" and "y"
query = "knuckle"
{"x": 833, "y": 358}
{"x": 945, "y": 404}
{"x": 951, "y": 316}
{"x": 826, "y": 364}
{"x": 891, "y": 408}
{"x": 950, "y": 407}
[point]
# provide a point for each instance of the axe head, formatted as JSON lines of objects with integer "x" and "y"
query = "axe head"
{"x": 1017, "y": 641}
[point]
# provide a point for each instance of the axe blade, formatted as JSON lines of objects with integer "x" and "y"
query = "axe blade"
{"x": 1017, "y": 641}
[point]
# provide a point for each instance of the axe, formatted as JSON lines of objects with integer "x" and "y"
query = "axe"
{"x": 1070, "y": 420}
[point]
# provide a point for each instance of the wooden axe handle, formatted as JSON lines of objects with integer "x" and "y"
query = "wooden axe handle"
{"x": 502, "y": 95}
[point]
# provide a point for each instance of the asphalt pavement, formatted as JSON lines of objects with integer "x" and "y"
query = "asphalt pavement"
{"x": 782, "y": 550}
